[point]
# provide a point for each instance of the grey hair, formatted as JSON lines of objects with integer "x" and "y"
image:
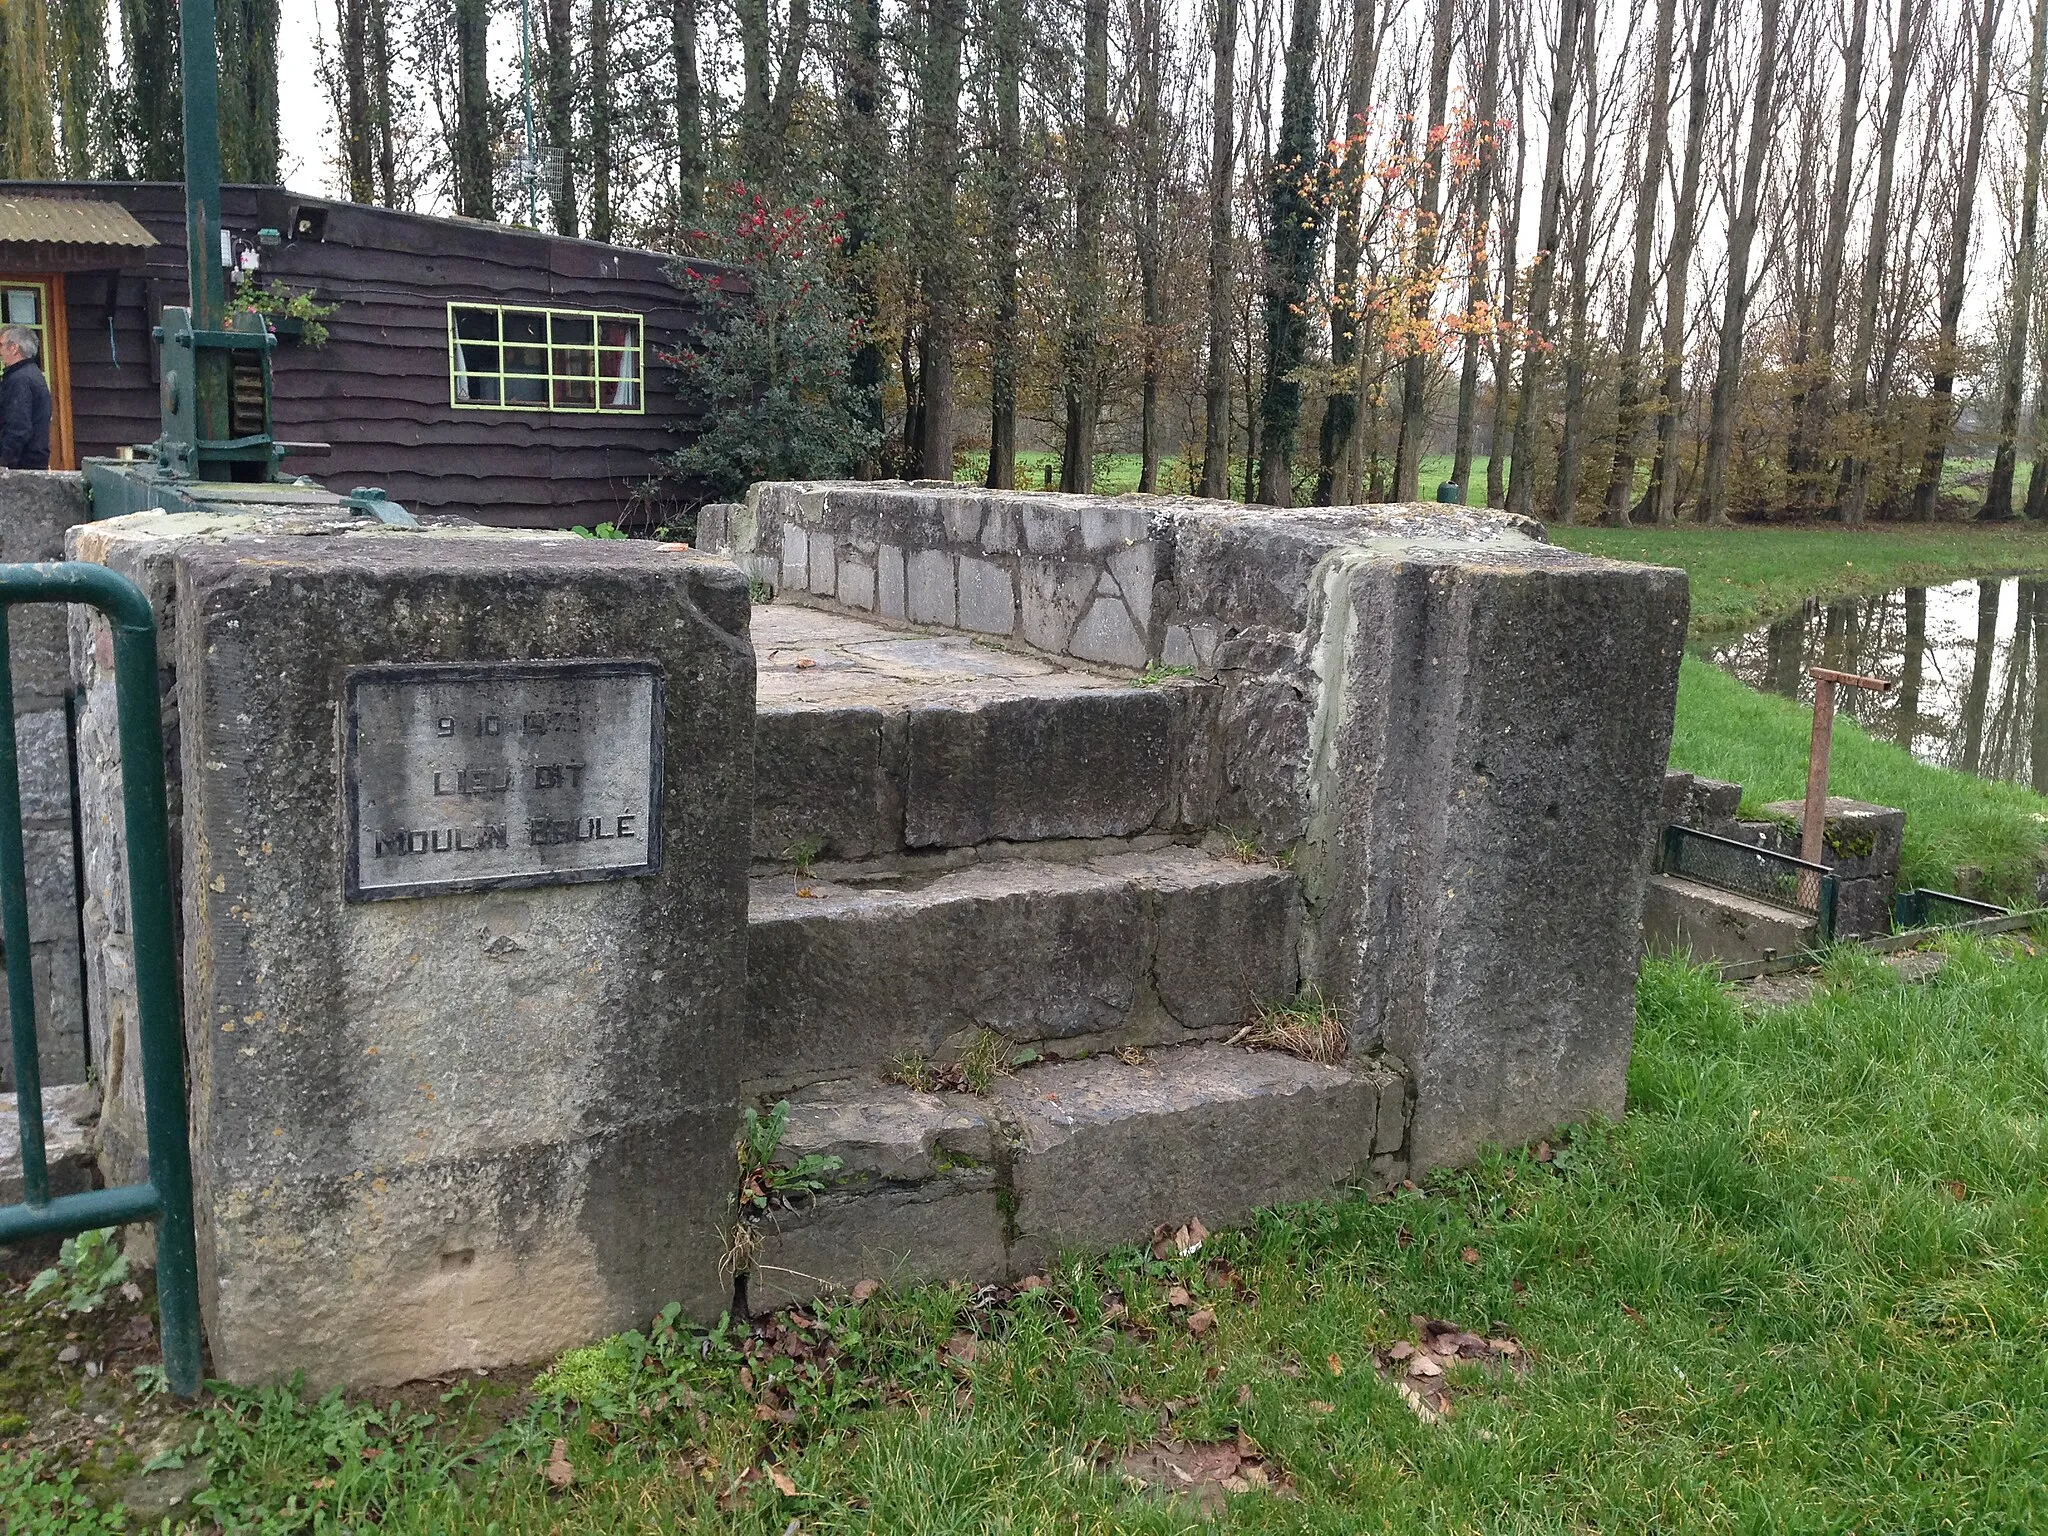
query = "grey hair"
{"x": 22, "y": 339}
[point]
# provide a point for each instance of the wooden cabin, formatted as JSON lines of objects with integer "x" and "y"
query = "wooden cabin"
{"x": 501, "y": 374}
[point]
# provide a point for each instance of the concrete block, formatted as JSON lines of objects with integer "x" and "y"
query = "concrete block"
{"x": 887, "y": 1134}
{"x": 1859, "y": 841}
{"x": 1684, "y": 917}
{"x": 1106, "y": 1151}
{"x": 891, "y": 593}
{"x": 37, "y": 508}
{"x": 1226, "y": 936}
{"x": 931, "y": 587}
{"x": 1093, "y": 764}
{"x": 411, "y": 1118}
{"x": 988, "y": 598}
{"x": 950, "y": 1228}
{"x": 1863, "y": 908}
{"x": 857, "y": 585}
{"x": 823, "y": 773}
{"x": 1054, "y": 593}
{"x": 796, "y": 558}
{"x": 1106, "y": 633}
{"x": 43, "y": 747}
{"x": 823, "y": 549}
{"x": 69, "y": 1111}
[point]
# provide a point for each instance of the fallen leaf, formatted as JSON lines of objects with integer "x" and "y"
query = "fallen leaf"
{"x": 559, "y": 1473}
{"x": 804, "y": 663}
{"x": 1420, "y": 1404}
{"x": 1201, "y": 1322}
{"x": 131, "y": 1292}
{"x": 1423, "y": 1365}
{"x": 1401, "y": 1350}
{"x": 1470, "y": 1343}
{"x": 1957, "y": 1188}
{"x": 1469, "y": 1255}
{"x": 784, "y": 1483}
{"x": 1336, "y": 1365}
{"x": 1404, "y": 1238}
{"x": 1633, "y": 1313}
{"x": 1244, "y": 1394}
{"x": 808, "y": 894}
{"x": 1198, "y": 1232}
{"x": 963, "y": 1347}
{"x": 1506, "y": 1347}
{"x": 68, "y": 1354}
{"x": 1543, "y": 1152}
{"x": 1317, "y": 1405}
{"x": 865, "y": 1289}
{"x": 1031, "y": 1283}
{"x": 1178, "y": 1296}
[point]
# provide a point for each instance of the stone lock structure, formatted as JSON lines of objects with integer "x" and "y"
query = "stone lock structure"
{"x": 1081, "y": 782}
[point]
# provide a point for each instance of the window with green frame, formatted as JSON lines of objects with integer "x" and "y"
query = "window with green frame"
{"x": 507, "y": 358}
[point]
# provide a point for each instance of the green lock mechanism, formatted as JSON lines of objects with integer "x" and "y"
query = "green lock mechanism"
{"x": 216, "y": 365}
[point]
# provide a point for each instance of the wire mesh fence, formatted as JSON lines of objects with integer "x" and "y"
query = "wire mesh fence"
{"x": 1747, "y": 870}
{"x": 1922, "y": 908}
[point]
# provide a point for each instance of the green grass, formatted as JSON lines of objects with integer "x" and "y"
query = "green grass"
{"x": 1745, "y": 576}
{"x": 1803, "y": 1287}
{"x": 1117, "y": 473}
{"x": 1726, "y": 730}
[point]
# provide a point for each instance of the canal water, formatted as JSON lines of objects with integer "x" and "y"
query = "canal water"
{"x": 1968, "y": 659}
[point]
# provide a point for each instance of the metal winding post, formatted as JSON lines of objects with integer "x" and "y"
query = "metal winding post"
{"x": 1813, "y": 822}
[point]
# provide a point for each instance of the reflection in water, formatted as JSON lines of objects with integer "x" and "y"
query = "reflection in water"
{"x": 1968, "y": 659}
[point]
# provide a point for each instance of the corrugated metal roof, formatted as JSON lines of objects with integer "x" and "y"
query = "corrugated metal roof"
{"x": 70, "y": 221}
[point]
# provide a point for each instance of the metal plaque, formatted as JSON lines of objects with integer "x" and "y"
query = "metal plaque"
{"x": 464, "y": 778}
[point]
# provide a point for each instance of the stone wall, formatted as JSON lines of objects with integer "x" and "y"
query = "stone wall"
{"x": 1455, "y": 731}
{"x": 35, "y": 510}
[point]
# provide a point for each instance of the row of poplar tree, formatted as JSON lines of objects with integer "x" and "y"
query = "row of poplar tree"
{"x": 1613, "y": 258}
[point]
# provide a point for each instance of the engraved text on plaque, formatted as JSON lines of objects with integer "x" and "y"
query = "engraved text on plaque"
{"x": 464, "y": 777}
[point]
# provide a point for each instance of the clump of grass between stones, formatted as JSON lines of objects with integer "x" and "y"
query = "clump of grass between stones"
{"x": 1307, "y": 1026}
{"x": 985, "y": 1059}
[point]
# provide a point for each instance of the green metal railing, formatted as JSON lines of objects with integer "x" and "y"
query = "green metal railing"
{"x": 167, "y": 1198}
{"x": 1769, "y": 876}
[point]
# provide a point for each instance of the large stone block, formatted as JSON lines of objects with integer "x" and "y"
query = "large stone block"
{"x": 826, "y": 777}
{"x": 1859, "y": 841}
{"x": 1104, "y": 1151}
{"x": 37, "y": 508}
{"x": 413, "y": 1117}
{"x": 846, "y": 979}
{"x": 1703, "y": 922}
{"x": 1489, "y": 758}
{"x": 1029, "y": 768}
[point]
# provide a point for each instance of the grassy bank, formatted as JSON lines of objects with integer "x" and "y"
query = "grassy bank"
{"x": 1744, "y": 576}
{"x": 1804, "y": 1287}
{"x": 1726, "y": 730}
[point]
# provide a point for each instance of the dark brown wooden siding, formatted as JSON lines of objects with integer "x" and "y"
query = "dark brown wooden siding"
{"x": 379, "y": 390}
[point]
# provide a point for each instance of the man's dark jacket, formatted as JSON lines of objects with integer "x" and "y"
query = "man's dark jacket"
{"x": 24, "y": 417}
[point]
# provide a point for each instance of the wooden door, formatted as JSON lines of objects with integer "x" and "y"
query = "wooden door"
{"x": 36, "y": 300}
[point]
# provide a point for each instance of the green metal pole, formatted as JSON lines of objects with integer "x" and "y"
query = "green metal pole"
{"x": 199, "y": 76}
{"x": 137, "y": 706}
{"x": 21, "y": 980}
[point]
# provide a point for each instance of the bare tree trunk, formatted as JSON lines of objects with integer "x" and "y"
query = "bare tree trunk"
{"x": 1291, "y": 242}
{"x": 1503, "y": 343}
{"x": 1347, "y": 318}
{"x": 1955, "y": 281}
{"x": 1621, "y": 482}
{"x": 558, "y": 102}
{"x": 1146, "y": 44}
{"x": 1571, "y": 440}
{"x": 1855, "y": 494}
{"x": 765, "y": 112}
{"x": 1522, "y": 473}
{"x": 1663, "y": 491}
{"x": 1222, "y": 182}
{"x": 1741, "y": 235}
{"x": 689, "y": 112}
{"x": 1487, "y": 150}
{"x": 475, "y": 196}
{"x": 1998, "y": 494}
{"x": 1814, "y": 356}
{"x": 380, "y": 104}
{"x": 1911, "y": 673}
{"x": 600, "y": 83}
{"x": 863, "y": 172}
{"x": 939, "y": 238}
{"x": 1077, "y": 462}
{"x": 1415, "y": 366}
{"x": 1002, "y": 381}
{"x": 1982, "y": 659}
{"x": 354, "y": 109}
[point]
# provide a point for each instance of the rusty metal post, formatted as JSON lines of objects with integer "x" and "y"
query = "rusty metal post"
{"x": 1813, "y": 824}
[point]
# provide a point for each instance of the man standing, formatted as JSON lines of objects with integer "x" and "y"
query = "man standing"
{"x": 24, "y": 402}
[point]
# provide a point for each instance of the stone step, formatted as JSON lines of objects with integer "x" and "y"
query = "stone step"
{"x": 1142, "y": 947}
{"x": 871, "y": 740}
{"x": 1686, "y": 917}
{"x": 1071, "y": 1156}
{"x": 69, "y": 1145}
